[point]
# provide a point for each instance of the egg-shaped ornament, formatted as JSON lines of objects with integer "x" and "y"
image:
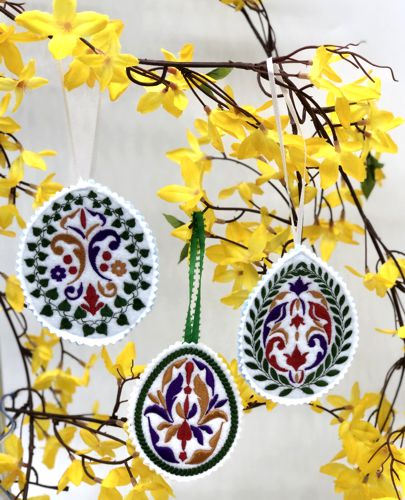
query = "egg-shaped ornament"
{"x": 299, "y": 330}
{"x": 88, "y": 265}
{"x": 184, "y": 415}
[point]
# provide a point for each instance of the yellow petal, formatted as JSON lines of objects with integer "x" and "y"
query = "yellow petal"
{"x": 149, "y": 102}
{"x": 7, "y": 463}
{"x": 180, "y": 100}
{"x": 64, "y": 10}
{"x": 52, "y": 445}
{"x": 109, "y": 494}
{"x": 14, "y": 294}
{"x": 227, "y": 192}
{"x": 116, "y": 477}
{"x": 327, "y": 246}
{"x": 353, "y": 165}
{"x": 62, "y": 45}
{"x": 19, "y": 94}
{"x": 13, "y": 446}
{"x": 127, "y": 356}
{"x": 329, "y": 170}
{"x": 342, "y": 108}
{"x": 186, "y": 52}
{"x": 47, "y": 152}
{"x": 235, "y": 299}
{"x": 387, "y": 331}
{"x": 36, "y": 82}
{"x": 176, "y": 194}
{"x": 33, "y": 159}
{"x": 258, "y": 242}
{"x": 169, "y": 56}
{"x": 16, "y": 173}
{"x": 8, "y": 125}
{"x": 353, "y": 271}
{"x": 107, "y": 361}
{"x": 36, "y": 21}
{"x": 88, "y": 23}
{"x": 89, "y": 438}
{"x": 7, "y": 84}
{"x": 12, "y": 57}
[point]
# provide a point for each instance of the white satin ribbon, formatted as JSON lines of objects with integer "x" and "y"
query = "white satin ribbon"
{"x": 296, "y": 229}
{"x": 80, "y": 172}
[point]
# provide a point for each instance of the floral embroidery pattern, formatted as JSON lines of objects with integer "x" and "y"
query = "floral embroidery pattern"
{"x": 118, "y": 268}
{"x": 186, "y": 415}
{"x": 58, "y": 273}
{"x": 298, "y": 332}
{"x": 87, "y": 265}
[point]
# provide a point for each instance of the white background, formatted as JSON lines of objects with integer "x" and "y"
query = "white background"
{"x": 279, "y": 453}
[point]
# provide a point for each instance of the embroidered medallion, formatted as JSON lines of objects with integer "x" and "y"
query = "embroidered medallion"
{"x": 88, "y": 265}
{"x": 184, "y": 417}
{"x": 298, "y": 330}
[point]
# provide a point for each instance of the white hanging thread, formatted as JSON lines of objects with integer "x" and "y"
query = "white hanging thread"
{"x": 77, "y": 170}
{"x": 95, "y": 138}
{"x": 296, "y": 229}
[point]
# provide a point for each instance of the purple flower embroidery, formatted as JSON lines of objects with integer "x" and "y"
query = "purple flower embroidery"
{"x": 186, "y": 407}
{"x": 58, "y": 273}
{"x": 299, "y": 286}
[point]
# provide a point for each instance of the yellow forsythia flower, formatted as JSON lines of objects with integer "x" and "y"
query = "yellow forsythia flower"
{"x": 26, "y": 81}
{"x": 384, "y": 279}
{"x": 35, "y": 160}
{"x": 124, "y": 364}
{"x": 65, "y": 25}
{"x": 41, "y": 348}
{"x": 45, "y": 190}
{"x": 171, "y": 97}
{"x": 331, "y": 234}
{"x": 11, "y": 462}
{"x": 190, "y": 194}
{"x": 76, "y": 475}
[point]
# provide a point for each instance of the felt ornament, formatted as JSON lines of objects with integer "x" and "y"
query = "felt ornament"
{"x": 299, "y": 328}
{"x": 298, "y": 331}
{"x": 184, "y": 415}
{"x": 88, "y": 265}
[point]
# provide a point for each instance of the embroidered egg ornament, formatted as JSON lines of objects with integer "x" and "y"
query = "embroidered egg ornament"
{"x": 184, "y": 415}
{"x": 88, "y": 265}
{"x": 299, "y": 330}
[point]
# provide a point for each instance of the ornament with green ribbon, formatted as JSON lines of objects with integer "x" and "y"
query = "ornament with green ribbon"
{"x": 184, "y": 415}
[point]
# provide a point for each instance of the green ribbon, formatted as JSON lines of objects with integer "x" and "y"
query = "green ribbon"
{"x": 197, "y": 249}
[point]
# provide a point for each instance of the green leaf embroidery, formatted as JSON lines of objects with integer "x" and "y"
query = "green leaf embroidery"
{"x": 47, "y": 311}
{"x": 80, "y": 313}
{"x": 65, "y": 324}
{"x": 137, "y": 304}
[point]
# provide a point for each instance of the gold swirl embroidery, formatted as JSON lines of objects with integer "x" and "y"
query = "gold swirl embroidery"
{"x": 91, "y": 229}
{"x": 79, "y": 251}
{"x": 110, "y": 290}
{"x": 66, "y": 219}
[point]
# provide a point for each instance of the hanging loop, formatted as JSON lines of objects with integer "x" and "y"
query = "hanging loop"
{"x": 197, "y": 250}
{"x": 295, "y": 228}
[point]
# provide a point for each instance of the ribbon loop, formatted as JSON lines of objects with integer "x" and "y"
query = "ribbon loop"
{"x": 197, "y": 249}
{"x": 83, "y": 169}
{"x": 296, "y": 229}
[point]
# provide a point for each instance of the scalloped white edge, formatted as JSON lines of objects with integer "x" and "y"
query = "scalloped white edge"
{"x": 82, "y": 184}
{"x": 246, "y": 306}
{"x": 134, "y": 397}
